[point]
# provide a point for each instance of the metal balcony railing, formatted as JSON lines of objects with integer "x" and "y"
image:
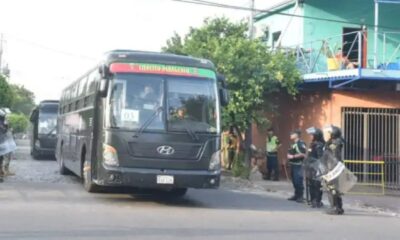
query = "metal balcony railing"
{"x": 347, "y": 51}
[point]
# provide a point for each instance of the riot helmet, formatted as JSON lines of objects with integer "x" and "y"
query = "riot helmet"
{"x": 317, "y": 134}
{"x": 334, "y": 131}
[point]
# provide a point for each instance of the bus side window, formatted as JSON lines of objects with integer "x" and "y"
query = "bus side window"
{"x": 77, "y": 105}
{"x": 82, "y": 86}
{"x": 74, "y": 91}
{"x": 85, "y": 101}
{"x": 91, "y": 83}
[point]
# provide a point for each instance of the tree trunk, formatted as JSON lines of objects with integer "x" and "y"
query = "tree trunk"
{"x": 247, "y": 143}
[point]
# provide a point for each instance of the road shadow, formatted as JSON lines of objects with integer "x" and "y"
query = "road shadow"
{"x": 211, "y": 199}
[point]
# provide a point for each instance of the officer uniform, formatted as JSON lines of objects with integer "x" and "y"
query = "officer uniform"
{"x": 272, "y": 144}
{"x": 335, "y": 146}
{"x": 315, "y": 152}
{"x": 296, "y": 166}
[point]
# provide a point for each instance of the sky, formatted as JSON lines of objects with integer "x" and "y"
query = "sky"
{"x": 48, "y": 44}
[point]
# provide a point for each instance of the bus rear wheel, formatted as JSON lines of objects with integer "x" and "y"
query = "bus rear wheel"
{"x": 61, "y": 167}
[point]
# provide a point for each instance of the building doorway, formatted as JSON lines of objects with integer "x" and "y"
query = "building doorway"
{"x": 351, "y": 49}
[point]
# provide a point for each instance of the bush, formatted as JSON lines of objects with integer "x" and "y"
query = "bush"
{"x": 239, "y": 167}
{"x": 18, "y": 122}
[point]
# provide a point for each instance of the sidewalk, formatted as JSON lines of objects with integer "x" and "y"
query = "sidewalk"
{"x": 284, "y": 189}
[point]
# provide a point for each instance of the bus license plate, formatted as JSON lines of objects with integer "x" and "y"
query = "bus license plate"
{"x": 165, "y": 179}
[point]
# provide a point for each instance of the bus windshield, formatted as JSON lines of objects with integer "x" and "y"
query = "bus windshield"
{"x": 47, "y": 122}
{"x": 171, "y": 103}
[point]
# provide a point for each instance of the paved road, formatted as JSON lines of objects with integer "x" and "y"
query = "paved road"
{"x": 40, "y": 204}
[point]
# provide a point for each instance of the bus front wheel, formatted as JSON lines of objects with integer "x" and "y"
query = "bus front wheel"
{"x": 87, "y": 178}
{"x": 34, "y": 154}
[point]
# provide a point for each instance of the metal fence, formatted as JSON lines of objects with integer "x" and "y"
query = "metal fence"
{"x": 372, "y": 138}
{"x": 371, "y": 176}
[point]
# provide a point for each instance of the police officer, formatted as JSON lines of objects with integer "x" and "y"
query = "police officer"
{"x": 316, "y": 150}
{"x": 271, "y": 147}
{"x": 295, "y": 156}
{"x": 335, "y": 145}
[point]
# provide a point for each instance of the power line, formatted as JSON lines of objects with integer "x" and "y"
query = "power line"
{"x": 221, "y": 5}
{"x": 62, "y": 52}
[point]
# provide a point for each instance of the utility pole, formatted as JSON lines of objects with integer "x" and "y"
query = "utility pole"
{"x": 376, "y": 22}
{"x": 251, "y": 22}
{"x": 249, "y": 131}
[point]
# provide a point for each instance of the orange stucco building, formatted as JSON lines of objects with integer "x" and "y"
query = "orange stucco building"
{"x": 320, "y": 108}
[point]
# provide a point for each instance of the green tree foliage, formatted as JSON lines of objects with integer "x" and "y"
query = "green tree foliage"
{"x": 253, "y": 72}
{"x": 18, "y": 122}
{"x": 24, "y": 100}
{"x": 6, "y": 93}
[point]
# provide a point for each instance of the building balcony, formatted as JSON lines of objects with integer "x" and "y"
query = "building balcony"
{"x": 344, "y": 59}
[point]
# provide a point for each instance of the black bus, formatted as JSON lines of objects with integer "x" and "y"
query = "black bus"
{"x": 144, "y": 120}
{"x": 44, "y": 129}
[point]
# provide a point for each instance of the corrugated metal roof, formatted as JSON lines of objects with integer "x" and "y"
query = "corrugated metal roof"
{"x": 283, "y": 3}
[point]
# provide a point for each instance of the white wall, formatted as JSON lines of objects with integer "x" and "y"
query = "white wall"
{"x": 291, "y": 27}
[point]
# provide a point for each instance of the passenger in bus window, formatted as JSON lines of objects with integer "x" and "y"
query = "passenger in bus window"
{"x": 179, "y": 114}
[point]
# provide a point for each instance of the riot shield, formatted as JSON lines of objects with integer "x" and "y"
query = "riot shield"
{"x": 7, "y": 143}
{"x": 334, "y": 173}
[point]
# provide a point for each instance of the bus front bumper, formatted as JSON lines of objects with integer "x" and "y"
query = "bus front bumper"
{"x": 44, "y": 151}
{"x": 150, "y": 178}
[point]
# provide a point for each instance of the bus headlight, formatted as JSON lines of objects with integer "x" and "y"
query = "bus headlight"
{"x": 215, "y": 162}
{"x": 110, "y": 156}
{"x": 37, "y": 143}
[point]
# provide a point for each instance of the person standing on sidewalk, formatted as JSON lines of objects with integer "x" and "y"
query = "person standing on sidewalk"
{"x": 232, "y": 148}
{"x": 316, "y": 150}
{"x": 272, "y": 145}
{"x": 295, "y": 156}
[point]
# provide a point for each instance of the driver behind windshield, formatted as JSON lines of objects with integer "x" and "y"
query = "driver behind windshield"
{"x": 149, "y": 98}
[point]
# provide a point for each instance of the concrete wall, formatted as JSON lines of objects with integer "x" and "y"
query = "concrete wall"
{"x": 291, "y": 27}
{"x": 319, "y": 109}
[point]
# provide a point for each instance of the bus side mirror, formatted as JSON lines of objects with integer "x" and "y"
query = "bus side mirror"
{"x": 224, "y": 96}
{"x": 223, "y": 92}
{"x": 103, "y": 89}
{"x": 221, "y": 80}
{"x": 34, "y": 116}
{"x": 104, "y": 71}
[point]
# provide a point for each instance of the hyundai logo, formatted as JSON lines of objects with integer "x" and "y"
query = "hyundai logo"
{"x": 165, "y": 150}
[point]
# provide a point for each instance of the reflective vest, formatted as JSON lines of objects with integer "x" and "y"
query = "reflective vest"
{"x": 272, "y": 144}
{"x": 295, "y": 149}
